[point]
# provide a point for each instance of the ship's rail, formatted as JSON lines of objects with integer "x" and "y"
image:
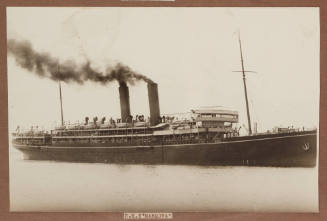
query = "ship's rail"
{"x": 276, "y": 134}
{"x": 102, "y": 136}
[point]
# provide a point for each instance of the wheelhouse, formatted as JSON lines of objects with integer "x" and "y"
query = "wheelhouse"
{"x": 215, "y": 118}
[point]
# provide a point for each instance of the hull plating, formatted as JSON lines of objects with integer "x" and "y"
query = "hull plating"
{"x": 285, "y": 151}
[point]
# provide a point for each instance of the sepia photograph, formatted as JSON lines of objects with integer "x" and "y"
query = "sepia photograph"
{"x": 163, "y": 109}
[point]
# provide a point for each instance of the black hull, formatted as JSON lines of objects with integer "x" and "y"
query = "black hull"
{"x": 280, "y": 151}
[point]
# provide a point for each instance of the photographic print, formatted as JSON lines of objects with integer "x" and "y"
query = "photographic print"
{"x": 163, "y": 109}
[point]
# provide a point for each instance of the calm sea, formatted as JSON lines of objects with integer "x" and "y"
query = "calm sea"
{"x": 57, "y": 186}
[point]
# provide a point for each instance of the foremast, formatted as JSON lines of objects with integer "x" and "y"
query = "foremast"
{"x": 245, "y": 90}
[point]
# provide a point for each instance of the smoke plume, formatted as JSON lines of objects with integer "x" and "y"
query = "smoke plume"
{"x": 44, "y": 65}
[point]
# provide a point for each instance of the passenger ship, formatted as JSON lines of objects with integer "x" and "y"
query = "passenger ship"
{"x": 208, "y": 137}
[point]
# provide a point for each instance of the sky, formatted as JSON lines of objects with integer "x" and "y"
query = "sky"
{"x": 191, "y": 53}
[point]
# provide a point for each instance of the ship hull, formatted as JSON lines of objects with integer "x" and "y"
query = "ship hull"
{"x": 280, "y": 151}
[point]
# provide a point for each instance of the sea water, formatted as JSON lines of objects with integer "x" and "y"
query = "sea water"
{"x": 61, "y": 186}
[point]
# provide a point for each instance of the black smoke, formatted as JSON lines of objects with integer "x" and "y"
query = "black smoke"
{"x": 45, "y": 65}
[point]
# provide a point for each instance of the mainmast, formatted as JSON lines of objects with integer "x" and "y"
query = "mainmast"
{"x": 62, "y": 114}
{"x": 60, "y": 95}
{"x": 245, "y": 90}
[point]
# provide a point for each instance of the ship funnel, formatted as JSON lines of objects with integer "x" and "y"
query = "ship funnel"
{"x": 124, "y": 101}
{"x": 154, "y": 103}
{"x": 86, "y": 120}
{"x": 95, "y": 119}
